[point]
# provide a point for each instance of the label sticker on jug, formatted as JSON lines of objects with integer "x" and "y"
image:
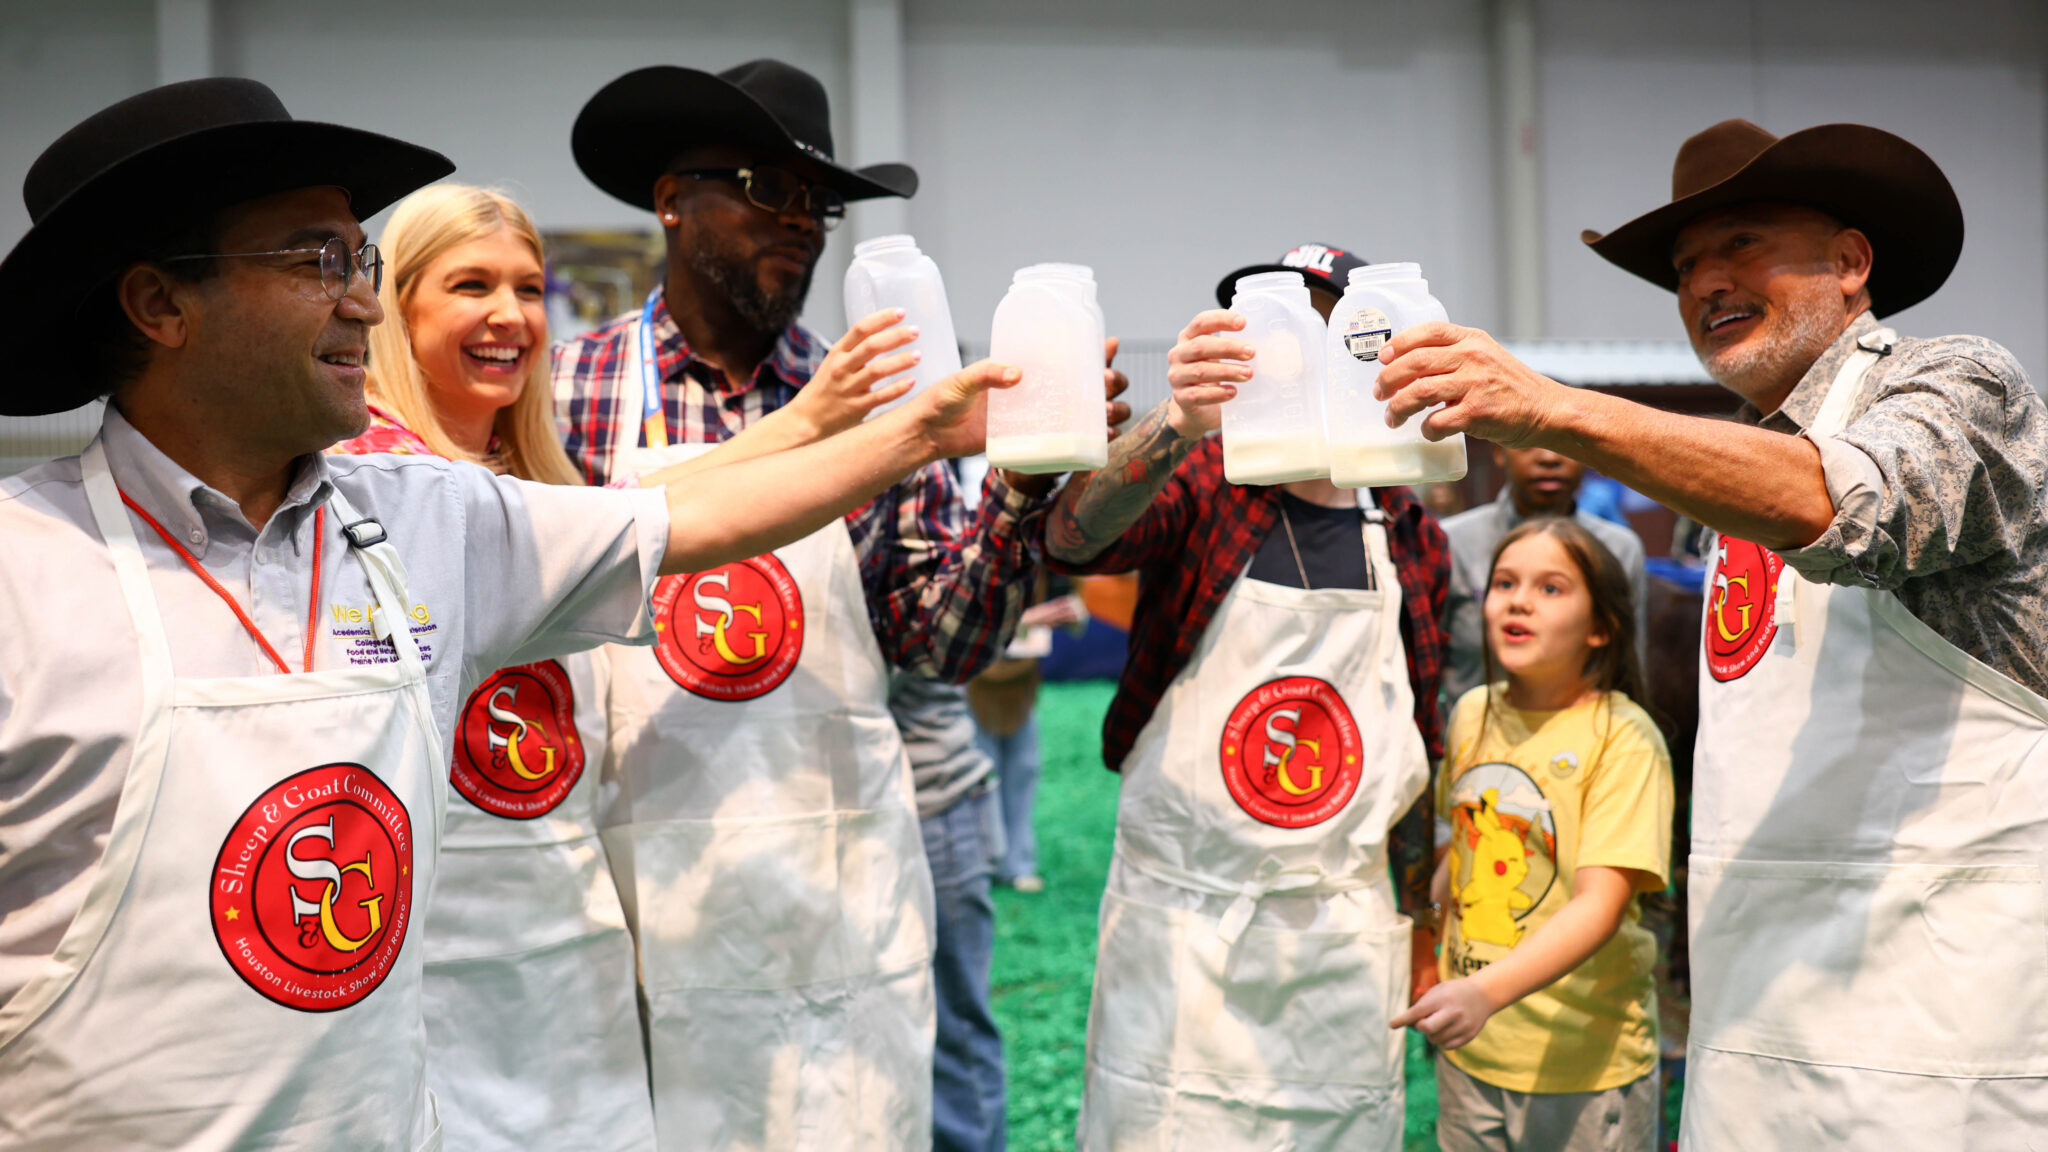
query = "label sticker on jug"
{"x": 1366, "y": 333}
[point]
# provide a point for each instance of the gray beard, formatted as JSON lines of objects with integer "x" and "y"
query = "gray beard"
{"x": 766, "y": 314}
{"x": 1811, "y": 323}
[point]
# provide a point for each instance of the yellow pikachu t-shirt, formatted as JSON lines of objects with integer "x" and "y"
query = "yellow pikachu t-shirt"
{"x": 1531, "y": 799}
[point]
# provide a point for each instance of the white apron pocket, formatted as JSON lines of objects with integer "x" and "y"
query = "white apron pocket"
{"x": 777, "y": 903}
{"x": 1281, "y": 1039}
{"x": 539, "y": 1048}
{"x": 1928, "y": 969}
{"x": 838, "y": 1066}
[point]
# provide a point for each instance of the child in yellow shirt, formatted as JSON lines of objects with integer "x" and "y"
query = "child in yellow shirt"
{"x": 1557, "y": 789}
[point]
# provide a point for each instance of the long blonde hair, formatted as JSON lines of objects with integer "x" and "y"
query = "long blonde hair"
{"x": 423, "y": 226}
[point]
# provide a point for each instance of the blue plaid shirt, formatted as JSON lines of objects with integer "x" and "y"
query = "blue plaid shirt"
{"x": 943, "y": 593}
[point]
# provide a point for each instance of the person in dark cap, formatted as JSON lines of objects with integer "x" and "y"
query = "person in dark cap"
{"x": 229, "y": 664}
{"x": 1274, "y": 726}
{"x": 1868, "y": 818}
{"x": 772, "y": 845}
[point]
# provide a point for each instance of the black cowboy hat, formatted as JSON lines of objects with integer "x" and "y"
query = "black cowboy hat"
{"x": 144, "y": 170}
{"x": 628, "y": 133}
{"x": 1868, "y": 179}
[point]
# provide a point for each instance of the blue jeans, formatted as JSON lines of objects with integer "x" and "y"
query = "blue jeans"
{"x": 967, "y": 1061}
{"x": 1017, "y": 765}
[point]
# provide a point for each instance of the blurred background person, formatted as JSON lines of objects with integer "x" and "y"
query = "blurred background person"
{"x": 1539, "y": 483}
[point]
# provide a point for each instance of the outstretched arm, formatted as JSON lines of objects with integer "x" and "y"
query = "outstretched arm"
{"x": 1705, "y": 469}
{"x": 1096, "y": 509}
{"x": 1453, "y": 1012}
{"x": 744, "y": 509}
{"x": 840, "y": 395}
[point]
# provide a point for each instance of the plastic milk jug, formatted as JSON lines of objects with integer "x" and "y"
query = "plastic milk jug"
{"x": 1273, "y": 428}
{"x": 1050, "y": 328}
{"x": 889, "y": 272}
{"x": 1382, "y": 299}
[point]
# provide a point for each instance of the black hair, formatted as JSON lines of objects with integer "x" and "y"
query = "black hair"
{"x": 113, "y": 349}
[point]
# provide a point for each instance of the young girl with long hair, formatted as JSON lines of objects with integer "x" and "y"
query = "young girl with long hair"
{"x": 1557, "y": 792}
{"x": 532, "y": 1025}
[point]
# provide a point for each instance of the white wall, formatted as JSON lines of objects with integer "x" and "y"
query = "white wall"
{"x": 1168, "y": 152}
{"x": 1625, "y": 82}
{"x": 1169, "y": 143}
{"x": 59, "y": 63}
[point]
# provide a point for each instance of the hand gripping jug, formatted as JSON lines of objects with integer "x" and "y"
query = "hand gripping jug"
{"x": 889, "y": 272}
{"x": 1381, "y": 300}
{"x": 1050, "y": 328}
{"x": 1273, "y": 428}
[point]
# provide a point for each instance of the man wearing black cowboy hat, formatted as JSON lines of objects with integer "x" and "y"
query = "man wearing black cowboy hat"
{"x": 228, "y": 662}
{"x": 790, "y": 731}
{"x": 1869, "y": 821}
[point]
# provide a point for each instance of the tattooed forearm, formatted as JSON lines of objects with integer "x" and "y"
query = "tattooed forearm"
{"x": 1413, "y": 856}
{"x": 1097, "y": 508}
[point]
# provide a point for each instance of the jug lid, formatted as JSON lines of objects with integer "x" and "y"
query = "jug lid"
{"x": 884, "y": 244}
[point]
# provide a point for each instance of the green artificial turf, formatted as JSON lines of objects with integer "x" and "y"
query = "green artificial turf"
{"x": 1045, "y": 943}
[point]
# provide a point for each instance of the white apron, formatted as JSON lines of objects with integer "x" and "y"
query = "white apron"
{"x": 1250, "y": 952}
{"x": 303, "y": 812}
{"x": 767, "y": 850}
{"x": 533, "y": 1027}
{"x": 1870, "y": 813}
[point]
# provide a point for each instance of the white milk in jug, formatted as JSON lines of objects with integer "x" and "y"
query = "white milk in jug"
{"x": 1273, "y": 427}
{"x": 1382, "y": 299}
{"x": 890, "y": 272}
{"x": 1050, "y": 328}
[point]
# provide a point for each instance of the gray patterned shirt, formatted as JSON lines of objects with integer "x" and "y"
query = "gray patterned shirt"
{"x": 1938, "y": 481}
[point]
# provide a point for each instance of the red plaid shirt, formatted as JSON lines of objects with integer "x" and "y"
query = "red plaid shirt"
{"x": 943, "y": 594}
{"x": 1189, "y": 547}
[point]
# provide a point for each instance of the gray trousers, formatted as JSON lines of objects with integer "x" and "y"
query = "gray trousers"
{"x": 1474, "y": 1116}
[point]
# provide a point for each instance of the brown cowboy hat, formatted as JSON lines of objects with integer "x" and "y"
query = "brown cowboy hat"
{"x": 1868, "y": 179}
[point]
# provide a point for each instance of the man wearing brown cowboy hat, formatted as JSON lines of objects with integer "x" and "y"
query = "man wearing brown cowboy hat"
{"x": 771, "y": 854}
{"x": 228, "y": 663}
{"x": 1869, "y": 819}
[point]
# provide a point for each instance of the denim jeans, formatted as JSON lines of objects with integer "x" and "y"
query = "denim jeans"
{"x": 1017, "y": 765}
{"x": 967, "y": 1061}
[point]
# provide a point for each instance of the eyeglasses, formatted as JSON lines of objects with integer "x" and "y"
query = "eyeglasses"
{"x": 338, "y": 265}
{"x": 774, "y": 190}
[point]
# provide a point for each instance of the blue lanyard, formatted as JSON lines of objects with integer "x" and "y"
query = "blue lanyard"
{"x": 653, "y": 429}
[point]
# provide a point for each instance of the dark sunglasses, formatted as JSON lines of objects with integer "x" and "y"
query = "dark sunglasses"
{"x": 774, "y": 190}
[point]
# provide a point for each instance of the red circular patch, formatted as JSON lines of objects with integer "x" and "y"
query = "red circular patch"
{"x": 312, "y": 890}
{"x": 516, "y": 750}
{"x": 1291, "y": 752}
{"x": 732, "y": 633}
{"x": 1742, "y": 607}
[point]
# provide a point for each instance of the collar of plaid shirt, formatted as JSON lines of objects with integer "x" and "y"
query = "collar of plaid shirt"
{"x": 790, "y": 364}
{"x": 592, "y": 373}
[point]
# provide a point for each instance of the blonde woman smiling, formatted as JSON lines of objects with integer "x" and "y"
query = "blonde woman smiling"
{"x": 532, "y": 1024}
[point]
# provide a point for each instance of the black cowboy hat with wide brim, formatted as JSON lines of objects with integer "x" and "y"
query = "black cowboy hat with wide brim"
{"x": 146, "y": 169}
{"x": 629, "y": 133}
{"x": 1868, "y": 179}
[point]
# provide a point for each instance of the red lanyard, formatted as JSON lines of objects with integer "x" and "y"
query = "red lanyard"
{"x": 312, "y": 610}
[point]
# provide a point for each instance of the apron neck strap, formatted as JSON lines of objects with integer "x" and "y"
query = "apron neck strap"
{"x": 372, "y": 548}
{"x": 103, "y": 498}
{"x": 1377, "y": 549}
{"x": 1848, "y": 383}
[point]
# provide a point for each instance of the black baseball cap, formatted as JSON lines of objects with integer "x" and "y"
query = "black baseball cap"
{"x": 1321, "y": 265}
